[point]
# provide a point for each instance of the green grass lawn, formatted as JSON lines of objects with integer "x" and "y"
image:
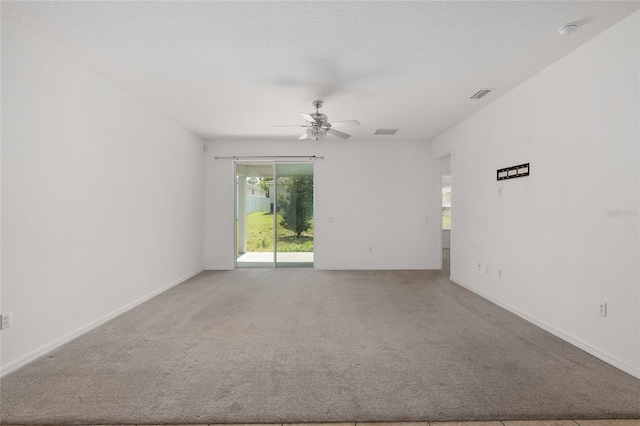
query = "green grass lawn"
{"x": 260, "y": 235}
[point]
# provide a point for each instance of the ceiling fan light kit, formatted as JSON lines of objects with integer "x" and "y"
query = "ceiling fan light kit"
{"x": 315, "y": 133}
{"x": 318, "y": 125}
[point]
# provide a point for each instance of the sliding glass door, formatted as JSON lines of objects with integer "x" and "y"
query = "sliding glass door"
{"x": 294, "y": 237}
{"x": 274, "y": 214}
{"x": 254, "y": 214}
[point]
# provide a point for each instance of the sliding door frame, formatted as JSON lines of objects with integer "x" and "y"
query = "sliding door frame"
{"x": 274, "y": 162}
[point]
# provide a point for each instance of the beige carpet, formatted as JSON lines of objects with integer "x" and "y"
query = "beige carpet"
{"x": 316, "y": 346}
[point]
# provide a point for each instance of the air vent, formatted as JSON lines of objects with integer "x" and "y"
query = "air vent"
{"x": 386, "y": 131}
{"x": 481, "y": 93}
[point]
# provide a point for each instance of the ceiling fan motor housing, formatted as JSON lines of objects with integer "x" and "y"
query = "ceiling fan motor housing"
{"x": 321, "y": 119}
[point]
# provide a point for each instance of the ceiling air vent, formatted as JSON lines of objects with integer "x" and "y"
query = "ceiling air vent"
{"x": 481, "y": 93}
{"x": 386, "y": 131}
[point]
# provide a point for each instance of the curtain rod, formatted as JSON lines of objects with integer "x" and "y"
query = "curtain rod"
{"x": 236, "y": 157}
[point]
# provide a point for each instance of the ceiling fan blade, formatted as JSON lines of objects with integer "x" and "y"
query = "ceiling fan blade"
{"x": 289, "y": 125}
{"x": 304, "y": 136}
{"x": 307, "y": 117}
{"x": 338, "y": 134}
{"x": 345, "y": 123}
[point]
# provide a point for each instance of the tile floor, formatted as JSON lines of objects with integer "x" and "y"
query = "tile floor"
{"x": 621, "y": 422}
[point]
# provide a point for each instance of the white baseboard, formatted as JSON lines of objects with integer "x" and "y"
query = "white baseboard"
{"x": 218, "y": 268}
{"x": 609, "y": 359}
{"x": 377, "y": 268}
{"x": 347, "y": 268}
{"x": 33, "y": 355}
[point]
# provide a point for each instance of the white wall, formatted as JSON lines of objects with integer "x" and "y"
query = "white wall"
{"x": 370, "y": 189}
{"x": 446, "y": 238}
{"x": 102, "y": 199}
{"x": 577, "y": 123}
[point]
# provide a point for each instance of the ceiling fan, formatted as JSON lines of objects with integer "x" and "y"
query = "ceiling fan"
{"x": 318, "y": 127}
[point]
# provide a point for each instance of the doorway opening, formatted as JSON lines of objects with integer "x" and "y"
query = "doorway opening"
{"x": 446, "y": 222}
{"x": 274, "y": 215}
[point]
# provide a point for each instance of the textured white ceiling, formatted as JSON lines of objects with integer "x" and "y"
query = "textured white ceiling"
{"x": 227, "y": 70}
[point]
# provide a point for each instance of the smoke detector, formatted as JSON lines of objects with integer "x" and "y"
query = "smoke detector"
{"x": 568, "y": 29}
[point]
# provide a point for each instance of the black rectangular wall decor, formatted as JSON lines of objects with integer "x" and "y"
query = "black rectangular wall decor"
{"x": 513, "y": 172}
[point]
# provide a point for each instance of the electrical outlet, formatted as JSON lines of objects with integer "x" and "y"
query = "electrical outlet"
{"x": 499, "y": 273}
{"x": 479, "y": 266}
{"x": 370, "y": 249}
{"x": 6, "y": 321}
{"x": 603, "y": 309}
